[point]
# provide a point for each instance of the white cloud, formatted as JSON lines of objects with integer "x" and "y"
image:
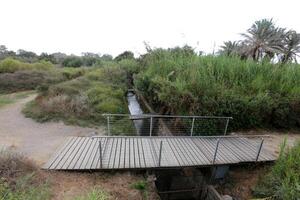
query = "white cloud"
{"x": 75, "y": 26}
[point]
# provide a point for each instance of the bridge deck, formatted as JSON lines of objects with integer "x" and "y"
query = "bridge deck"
{"x": 83, "y": 153}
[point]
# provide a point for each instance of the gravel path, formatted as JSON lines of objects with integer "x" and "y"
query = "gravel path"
{"x": 38, "y": 141}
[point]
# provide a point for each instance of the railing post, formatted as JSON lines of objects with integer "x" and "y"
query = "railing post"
{"x": 151, "y": 126}
{"x": 259, "y": 150}
{"x": 160, "y": 150}
{"x": 226, "y": 126}
{"x": 192, "y": 129}
{"x": 216, "y": 150}
{"x": 108, "y": 126}
{"x": 100, "y": 151}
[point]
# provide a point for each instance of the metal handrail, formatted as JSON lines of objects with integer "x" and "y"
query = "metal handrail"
{"x": 169, "y": 116}
{"x": 208, "y": 136}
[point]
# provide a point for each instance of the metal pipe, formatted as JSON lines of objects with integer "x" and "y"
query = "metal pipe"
{"x": 160, "y": 150}
{"x": 192, "y": 129}
{"x": 259, "y": 150}
{"x": 108, "y": 126}
{"x": 100, "y": 151}
{"x": 216, "y": 150}
{"x": 226, "y": 126}
{"x": 151, "y": 126}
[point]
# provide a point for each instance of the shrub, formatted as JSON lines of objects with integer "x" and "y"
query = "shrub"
{"x": 142, "y": 186}
{"x": 283, "y": 180}
{"x": 255, "y": 94}
{"x": 27, "y": 80}
{"x": 20, "y": 179}
{"x": 82, "y": 100}
{"x": 72, "y": 61}
{"x": 10, "y": 65}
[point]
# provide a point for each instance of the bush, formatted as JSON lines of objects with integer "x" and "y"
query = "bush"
{"x": 10, "y": 65}
{"x": 27, "y": 80}
{"x": 82, "y": 100}
{"x": 283, "y": 180}
{"x": 255, "y": 94}
{"x": 72, "y": 61}
{"x": 20, "y": 179}
{"x": 142, "y": 186}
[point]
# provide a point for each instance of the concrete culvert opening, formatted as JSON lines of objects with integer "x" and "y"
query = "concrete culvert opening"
{"x": 188, "y": 184}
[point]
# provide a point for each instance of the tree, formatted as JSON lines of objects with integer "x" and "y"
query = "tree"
{"x": 264, "y": 39}
{"x": 292, "y": 46}
{"x": 27, "y": 56}
{"x": 89, "y": 59}
{"x": 72, "y": 61}
{"x": 106, "y": 57}
{"x": 47, "y": 57}
{"x": 229, "y": 48}
{"x": 125, "y": 55}
{"x": 4, "y": 53}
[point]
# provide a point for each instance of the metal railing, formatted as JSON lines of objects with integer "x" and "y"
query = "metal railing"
{"x": 253, "y": 147}
{"x": 177, "y": 125}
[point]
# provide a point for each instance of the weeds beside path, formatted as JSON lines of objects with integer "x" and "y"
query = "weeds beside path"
{"x": 35, "y": 140}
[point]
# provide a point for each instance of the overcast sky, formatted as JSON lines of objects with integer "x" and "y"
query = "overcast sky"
{"x": 111, "y": 26}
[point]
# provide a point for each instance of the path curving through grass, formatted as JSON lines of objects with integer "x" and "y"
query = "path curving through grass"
{"x": 36, "y": 141}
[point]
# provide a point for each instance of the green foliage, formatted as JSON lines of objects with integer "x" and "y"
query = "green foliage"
{"x": 283, "y": 182}
{"x": 142, "y": 186}
{"x": 11, "y": 98}
{"x": 10, "y": 65}
{"x": 72, "y": 61}
{"x": 125, "y": 55}
{"x": 19, "y": 179}
{"x": 95, "y": 194}
{"x": 24, "y": 189}
{"x": 82, "y": 100}
{"x": 28, "y": 80}
{"x": 254, "y": 94}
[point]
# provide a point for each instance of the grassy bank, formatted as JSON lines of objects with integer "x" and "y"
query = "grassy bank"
{"x": 11, "y": 98}
{"x": 177, "y": 81}
{"x": 283, "y": 180}
{"x": 82, "y": 100}
{"x": 18, "y": 76}
{"x": 20, "y": 179}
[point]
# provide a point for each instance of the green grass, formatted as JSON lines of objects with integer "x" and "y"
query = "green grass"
{"x": 10, "y": 65}
{"x": 283, "y": 181}
{"x": 6, "y": 99}
{"x": 255, "y": 94}
{"x": 20, "y": 179}
{"x": 95, "y": 194}
{"x": 82, "y": 100}
{"x": 141, "y": 186}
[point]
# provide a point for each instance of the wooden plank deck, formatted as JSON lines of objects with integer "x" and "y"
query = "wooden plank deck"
{"x": 83, "y": 153}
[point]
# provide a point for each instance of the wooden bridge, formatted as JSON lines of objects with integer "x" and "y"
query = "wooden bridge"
{"x": 116, "y": 152}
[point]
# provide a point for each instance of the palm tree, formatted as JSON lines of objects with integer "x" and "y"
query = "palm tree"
{"x": 229, "y": 48}
{"x": 292, "y": 46}
{"x": 263, "y": 39}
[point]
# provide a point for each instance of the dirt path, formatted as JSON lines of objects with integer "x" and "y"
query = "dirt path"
{"x": 274, "y": 139}
{"x": 35, "y": 140}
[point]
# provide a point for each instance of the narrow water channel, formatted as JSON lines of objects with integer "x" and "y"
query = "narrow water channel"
{"x": 135, "y": 109}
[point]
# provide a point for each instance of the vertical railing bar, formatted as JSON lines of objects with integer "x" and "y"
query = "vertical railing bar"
{"x": 216, "y": 150}
{"x": 108, "y": 126}
{"x": 259, "y": 150}
{"x": 192, "y": 129}
{"x": 226, "y": 126}
{"x": 151, "y": 126}
{"x": 160, "y": 150}
{"x": 100, "y": 151}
